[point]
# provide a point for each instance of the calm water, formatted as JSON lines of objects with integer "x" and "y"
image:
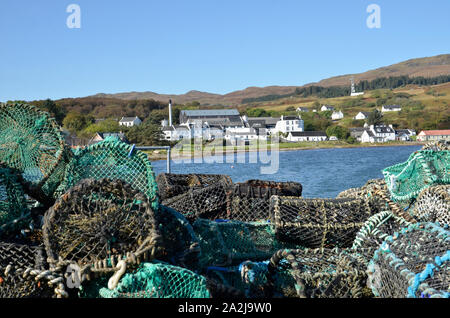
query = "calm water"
{"x": 322, "y": 172}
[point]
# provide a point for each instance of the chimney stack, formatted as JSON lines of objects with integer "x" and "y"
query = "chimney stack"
{"x": 170, "y": 112}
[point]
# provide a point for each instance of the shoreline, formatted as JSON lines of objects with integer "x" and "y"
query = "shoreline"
{"x": 163, "y": 156}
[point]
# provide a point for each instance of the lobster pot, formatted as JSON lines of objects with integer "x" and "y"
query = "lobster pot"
{"x": 98, "y": 220}
{"x": 366, "y": 192}
{"x": 424, "y": 168}
{"x": 207, "y": 203}
{"x": 318, "y": 223}
{"x": 230, "y": 243}
{"x": 250, "y": 201}
{"x": 30, "y": 142}
{"x": 15, "y": 260}
{"x": 181, "y": 246}
{"x": 412, "y": 263}
{"x": 433, "y": 205}
{"x": 374, "y": 231}
{"x": 170, "y": 185}
{"x": 13, "y": 204}
{"x": 159, "y": 280}
{"x": 437, "y": 145}
{"x": 320, "y": 273}
{"x": 114, "y": 160}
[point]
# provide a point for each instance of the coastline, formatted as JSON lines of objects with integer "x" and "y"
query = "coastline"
{"x": 163, "y": 156}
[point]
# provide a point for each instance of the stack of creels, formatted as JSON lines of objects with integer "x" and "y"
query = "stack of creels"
{"x": 100, "y": 225}
{"x": 433, "y": 205}
{"x": 181, "y": 245}
{"x": 170, "y": 185}
{"x": 374, "y": 231}
{"x": 250, "y": 201}
{"x": 13, "y": 208}
{"x": 423, "y": 169}
{"x": 320, "y": 273}
{"x": 24, "y": 273}
{"x": 115, "y": 160}
{"x": 230, "y": 243}
{"x": 318, "y": 223}
{"x": 31, "y": 142}
{"x": 412, "y": 263}
{"x": 437, "y": 146}
{"x": 206, "y": 203}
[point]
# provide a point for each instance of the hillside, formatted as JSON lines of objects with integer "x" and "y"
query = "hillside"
{"x": 426, "y": 67}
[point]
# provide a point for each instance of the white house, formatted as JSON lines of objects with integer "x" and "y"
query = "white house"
{"x": 434, "y": 135}
{"x": 326, "y": 108}
{"x": 287, "y": 124}
{"x": 404, "y": 134}
{"x": 130, "y": 121}
{"x": 391, "y": 108}
{"x": 298, "y": 136}
{"x": 174, "y": 133}
{"x": 362, "y": 116}
{"x": 302, "y": 110}
{"x": 337, "y": 115}
{"x": 379, "y": 133}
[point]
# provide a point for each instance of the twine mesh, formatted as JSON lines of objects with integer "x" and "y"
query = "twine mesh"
{"x": 423, "y": 169}
{"x": 412, "y": 263}
{"x": 433, "y": 205}
{"x": 114, "y": 160}
{"x": 321, "y": 273}
{"x": 437, "y": 146}
{"x": 170, "y": 185}
{"x": 30, "y": 141}
{"x": 367, "y": 192}
{"x": 207, "y": 203}
{"x": 97, "y": 220}
{"x": 250, "y": 201}
{"x": 159, "y": 280}
{"x": 318, "y": 223}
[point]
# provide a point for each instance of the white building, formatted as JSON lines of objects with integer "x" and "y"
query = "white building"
{"x": 298, "y": 136}
{"x": 302, "y": 110}
{"x": 287, "y": 124}
{"x": 174, "y": 133}
{"x": 391, "y": 108}
{"x": 337, "y": 115}
{"x": 325, "y": 108}
{"x": 379, "y": 133}
{"x": 130, "y": 121}
{"x": 362, "y": 116}
{"x": 404, "y": 134}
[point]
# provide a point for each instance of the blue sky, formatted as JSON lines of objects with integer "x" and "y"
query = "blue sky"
{"x": 174, "y": 46}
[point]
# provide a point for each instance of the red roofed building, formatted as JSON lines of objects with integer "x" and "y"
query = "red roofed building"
{"x": 434, "y": 135}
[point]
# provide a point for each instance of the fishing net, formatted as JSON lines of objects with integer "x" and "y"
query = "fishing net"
{"x": 30, "y": 141}
{"x": 367, "y": 192}
{"x": 375, "y": 230}
{"x": 207, "y": 203}
{"x": 170, "y": 185}
{"x": 321, "y": 273}
{"x": 250, "y": 201}
{"x": 412, "y": 263}
{"x": 13, "y": 208}
{"x": 423, "y": 169}
{"x": 23, "y": 273}
{"x": 181, "y": 246}
{"x": 158, "y": 280}
{"x": 433, "y": 205}
{"x": 230, "y": 243}
{"x": 315, "y": 223}
{"x": 114, "y": 160}
{"x": 99, "y": 220}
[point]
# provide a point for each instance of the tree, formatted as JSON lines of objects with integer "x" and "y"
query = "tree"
{"x": 147, "y": 134}
{"x": 375, "y": 117}
{"x": 75, "y": 122}
{"x": 338, "y": 131}
{"x": 55, "y": 110}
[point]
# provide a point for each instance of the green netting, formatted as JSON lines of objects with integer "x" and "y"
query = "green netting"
{"x": 157, "y": 280}
{"x": 30, "y": 141}
{"x": 424, "y": 168}
{"x": 414, "y": 262}
{"x": 114, "y": 160}
{"x": 233, "y": 242}
{"x": 13, "y": 208}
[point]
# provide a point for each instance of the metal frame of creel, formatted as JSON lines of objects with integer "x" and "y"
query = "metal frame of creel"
{"x": 156, "y": 148}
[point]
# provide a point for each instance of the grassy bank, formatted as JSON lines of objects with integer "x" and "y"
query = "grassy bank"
{"x": 188, "y": 150}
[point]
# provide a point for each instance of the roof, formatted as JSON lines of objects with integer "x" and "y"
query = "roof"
{"x": 128, "y": 119}
{"x": 364, "y": 113}
{"x": 445, "y": 132}
{"x": 383, "y": 129}
{"x": 369, "y": 132}
{"x": 290, "y": 118}
{"x": 327, "y": 106}
{"x": 266, "y": 120}
{"x": 308, "y": 133}
{"x": 392, "y": 106}
{"x": 211, "y": 112}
